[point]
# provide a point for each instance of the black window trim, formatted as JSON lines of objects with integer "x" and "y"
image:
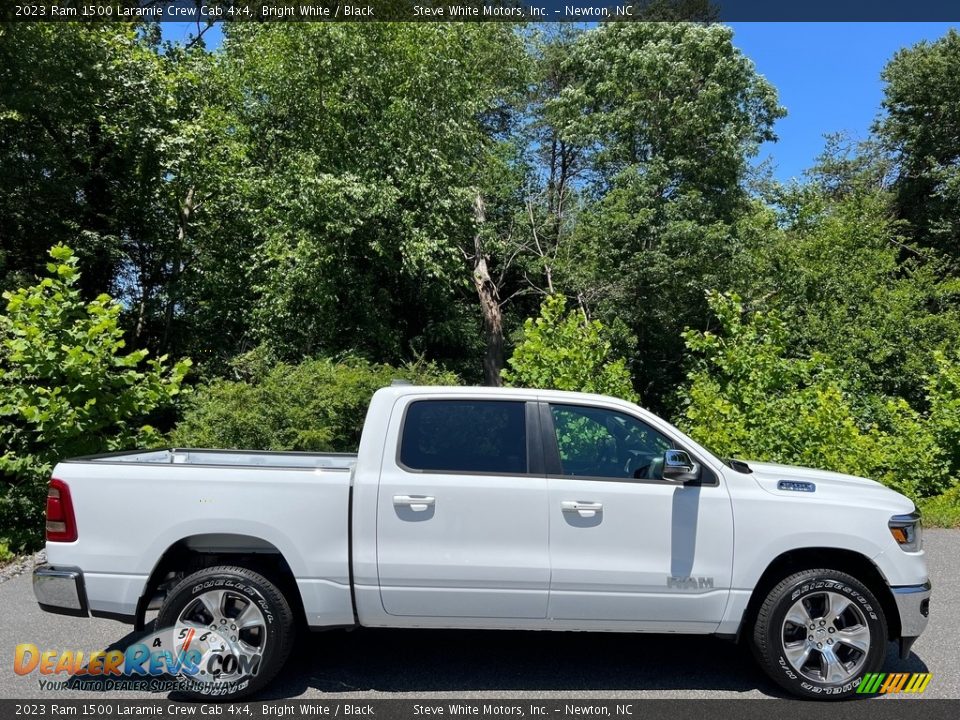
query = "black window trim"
{"x": 532, "y": 426}
{"x": 554, "y": 468}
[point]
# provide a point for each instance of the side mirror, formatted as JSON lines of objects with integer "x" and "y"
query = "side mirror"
{"x": 679, "y": 467}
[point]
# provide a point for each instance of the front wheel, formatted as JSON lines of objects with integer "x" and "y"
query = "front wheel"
{"x": 818, "y": 633}
{"x": 233, "y": 628}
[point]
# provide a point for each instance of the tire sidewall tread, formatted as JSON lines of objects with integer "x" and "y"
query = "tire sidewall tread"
{"x": 767, "y": 631}
{"x": 260, "y": 590}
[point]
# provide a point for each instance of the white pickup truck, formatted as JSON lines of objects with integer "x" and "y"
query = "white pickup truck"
{"x": 501, "y": 509}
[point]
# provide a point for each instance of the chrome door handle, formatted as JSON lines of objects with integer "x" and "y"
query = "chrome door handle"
{"x": 585, "y": 509}
{"x": 417, "y": 503}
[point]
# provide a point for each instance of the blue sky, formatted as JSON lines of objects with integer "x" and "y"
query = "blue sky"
{"x": 827, "y": 76}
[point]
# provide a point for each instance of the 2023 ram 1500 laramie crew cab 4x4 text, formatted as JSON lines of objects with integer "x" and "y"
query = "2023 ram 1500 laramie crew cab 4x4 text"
{"x": 501, "y": 509}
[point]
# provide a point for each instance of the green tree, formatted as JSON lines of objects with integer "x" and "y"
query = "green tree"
{"x": 835, "y": 263}
{"x": 747, "y": 397}
{"x": 67, "y": 388}
{"x": 371, "y": 212}
{"x": 922, "y": 127}
{"x": 126, "y": 147}
{"x": 187, "y": 265}
{"x": 666, "y": 116}
{"x": 76, "y": 114}
{"x": 566, "y": 351}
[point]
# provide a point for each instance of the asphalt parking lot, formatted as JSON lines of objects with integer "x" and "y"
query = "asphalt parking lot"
{"x": 498, "y": 664}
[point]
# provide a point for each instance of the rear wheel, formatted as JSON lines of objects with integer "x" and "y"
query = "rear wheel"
{"x": 819, "y": 632}
{"x": 236, "y": 624}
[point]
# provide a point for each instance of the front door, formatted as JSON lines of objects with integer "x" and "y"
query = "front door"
{"x": 625, "y": 544}
{"x": 462, "y": 517}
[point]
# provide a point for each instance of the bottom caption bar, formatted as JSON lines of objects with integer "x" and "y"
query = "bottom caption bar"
{"x": 492, "y": 709}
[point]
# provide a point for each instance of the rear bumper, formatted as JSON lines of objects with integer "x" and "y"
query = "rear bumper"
{"x": 60, "y": 590}
{"x": 913, "y": 605}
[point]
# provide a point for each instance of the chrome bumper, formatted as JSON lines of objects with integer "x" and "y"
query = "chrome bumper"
{"x": 913, "y": 604}
{"x": 60, "y": 590}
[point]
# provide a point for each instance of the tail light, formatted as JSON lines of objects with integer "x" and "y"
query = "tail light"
{"x": 61, "y": 522}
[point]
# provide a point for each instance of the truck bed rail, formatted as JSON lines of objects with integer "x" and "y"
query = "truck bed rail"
{"x": 225, "y": 458}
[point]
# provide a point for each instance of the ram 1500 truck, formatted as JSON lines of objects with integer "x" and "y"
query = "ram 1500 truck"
{"x": 493, "y": 508}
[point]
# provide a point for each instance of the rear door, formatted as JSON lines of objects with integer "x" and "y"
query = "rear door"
{"x": 462, "y": 527}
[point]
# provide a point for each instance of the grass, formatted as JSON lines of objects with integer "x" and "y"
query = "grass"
{"x": 942, "y": 510}
{"x": 5, "y": 554}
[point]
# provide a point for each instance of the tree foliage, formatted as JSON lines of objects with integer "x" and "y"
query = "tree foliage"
{"x": 850, "y": 286}
{"x": 315, "y": 405}
{"x": 80, "y": 109}
{"x": 943, "y": 395}
{"x": 922, "y": 128}
{"x": 126, "y": 148}
{"x": 351, "y": 197}
{"x": 367, "y": 179}
{"x": 566, "y": 351}
{"x": 667, "y": 116}
{"x": 67, "y": 388}
{"x": 747, "y": 397}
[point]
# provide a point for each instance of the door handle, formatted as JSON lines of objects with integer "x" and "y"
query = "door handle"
{"x": 585, "y": 509}
{"x": 417, "y": 503}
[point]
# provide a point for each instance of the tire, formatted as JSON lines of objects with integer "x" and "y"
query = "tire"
{"x": 256, "y": 622}
{"x": 843, "y": 634}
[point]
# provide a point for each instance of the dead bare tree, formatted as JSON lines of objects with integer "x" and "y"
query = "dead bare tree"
{"x": 489, "y": 295}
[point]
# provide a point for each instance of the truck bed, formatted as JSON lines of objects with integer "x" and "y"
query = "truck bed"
{"x": 226, "y": 458}
{"x": 134, "y": 507}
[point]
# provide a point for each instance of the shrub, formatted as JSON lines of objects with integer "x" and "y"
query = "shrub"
{"x": 943, "y": 394}
{"x": 66, "y": 389}
{"x": 566, "y": 351}
{"x": 745, "y": 397}
{"x": 942, "y": 510}
{"x": 316, "y": 405}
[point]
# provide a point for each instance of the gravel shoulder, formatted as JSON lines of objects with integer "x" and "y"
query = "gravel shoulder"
{"x": 21, "y": 565}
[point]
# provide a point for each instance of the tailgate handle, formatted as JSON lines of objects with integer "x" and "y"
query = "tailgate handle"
{"x": 417, "y": 503}
{"x": 585, "y": 509}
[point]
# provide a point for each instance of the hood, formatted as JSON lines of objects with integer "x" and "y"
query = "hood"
{"x": 828, "y": 486}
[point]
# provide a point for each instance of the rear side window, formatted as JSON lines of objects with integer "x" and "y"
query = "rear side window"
{"x": 483, "y": 436}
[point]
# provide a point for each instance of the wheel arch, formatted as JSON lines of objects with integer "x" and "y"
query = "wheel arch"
{"x": 844, "y": 560}
{"x": 195, "y": 552}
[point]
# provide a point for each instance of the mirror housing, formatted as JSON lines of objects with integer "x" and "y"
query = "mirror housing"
{"x": 679, "y": 467}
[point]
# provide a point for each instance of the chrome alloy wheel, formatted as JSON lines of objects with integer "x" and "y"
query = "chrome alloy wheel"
{"x": 825, "y": 637}
{"x": 223, "y": 623}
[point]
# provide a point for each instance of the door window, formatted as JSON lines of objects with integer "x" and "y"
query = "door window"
{"x": 595, "y": 442}
{"x": 477, "y": 436}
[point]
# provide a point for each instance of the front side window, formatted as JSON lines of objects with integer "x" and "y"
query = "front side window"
{"x": 484, "y": 436}
{"x": 595, "y": 442}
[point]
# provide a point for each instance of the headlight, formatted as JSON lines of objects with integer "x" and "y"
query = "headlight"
{"x": 907, "y": 531}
